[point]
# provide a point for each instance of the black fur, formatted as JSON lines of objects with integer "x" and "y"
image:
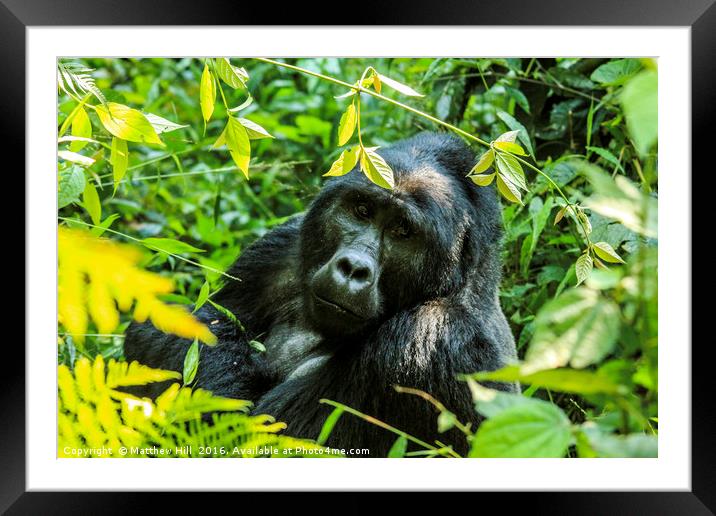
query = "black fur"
{"x": 437, "y": 312}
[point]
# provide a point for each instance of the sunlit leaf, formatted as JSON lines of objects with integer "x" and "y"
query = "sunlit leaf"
{"x": 399, "y": 87}
{"x": 162, "y": 125}
{"x": 232, "y": 75}
{"x": 70, "y": 185}
{"x": 376, "y": 169}
{"x": 90, "y": 200}
{"x": 510, "y": 147}
{"x": 606, "y": 252}
{"x": 170, "y": 245}
{"x": 127, "y": 123}
{"x": 207, "y": 93}
{"x": 583, "y": 267}
{"x": 119, "y": 159}
{"x": 74, "y": 157}
{"x": 508, "y": 190}
{"x": 345, "y": 162}
{"x": 81, "y": 127}
{"x": 347, "y": 124}
{"x": 485, "y": 162}
{"x": 482, "y": 179}
{"x": 254, "y": 130}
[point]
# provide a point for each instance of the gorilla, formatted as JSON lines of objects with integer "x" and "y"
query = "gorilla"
{"x": 369, "y": 289}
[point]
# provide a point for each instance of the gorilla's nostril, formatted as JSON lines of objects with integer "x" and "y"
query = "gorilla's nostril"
{"x": 355, "y": 267}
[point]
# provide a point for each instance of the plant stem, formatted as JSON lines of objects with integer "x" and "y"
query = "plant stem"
{"x": 360, "y": 89}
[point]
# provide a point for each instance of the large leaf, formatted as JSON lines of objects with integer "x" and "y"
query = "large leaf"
{"x": 616, "y": 72}
{"x": 376, "y": 169}
{"x": 533, "y": 429}
{"x": 127, "y": 123}
{"x": 575, "y": 381}
{"x": 578, "y": 328}
{"x": 639, "y": 99}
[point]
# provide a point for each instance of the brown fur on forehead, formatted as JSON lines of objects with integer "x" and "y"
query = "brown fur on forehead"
{"x": 426, "y": 182}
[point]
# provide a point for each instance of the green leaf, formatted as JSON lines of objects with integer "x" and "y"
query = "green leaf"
{"x": 560, "y": 214}
{"x": 258, "y": 346}
{"x": 583, "y": 267}
{"x": 534, "y": 429}
{"x": 519, "y": 97}
{"x": 191, "y": 363}
{"x": 119, "y": 159}
{"x": 162, "y": 125}
{"x": 104, "y": 225}
{"x": 246, "y": 103}
{"x": 127, "y": 123}
{"x": 485, "y": 162}
{"x": 510, "y": 147}
{"x": 446, "y": 421}
{"x": 345, "y": 162}
{"x": 513, "y": 124}
{"x": 399, "y": 448}
{"x": 203, "y": 296}
{"x": 490, "y": 402}
{"x": 606, "y": 252}
{"x": 639, "y": 99}
{"x": 508, "y": 190}
{"x": 207, "y": 93}
{"x": 237, "y": 140}
{"x": 327, "y": 428}
{"x": 611, "y": 158}
{"x": 70, "y": 185}
{"x": 254, "y": 130}
{"x": 602, "y": 444}
{"x": 90, "y": 200}
{"x": 169, "y": 245}
{"x": 511, "y": 169}
{"x": 347, "y": 125}
{"x": 81, "y": 127}
{"x": 616, "y": 72}
{"x": 620, "y": 199}
{"x": 397, "y": 86}
{"x": 482, "y": 179}
{"x": 74, "y": 157}
{"x": 563, "y": 380}
{"x": 508, "y": 137}
{"x": 579, "y": 328}
{"x": 232, "y": 75}
{"x": 376, "y": 169}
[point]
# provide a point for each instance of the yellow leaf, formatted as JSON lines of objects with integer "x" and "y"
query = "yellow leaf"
{"x": 207, "y": 93}
{"x": 376, "y": 169}
{"x": 90, "y": 199}
{"x": 345, "y": 162}
{"x": 81, "y": 127}
{"x": 237, "y": 140}
{"x": 119, "y": 158}
{"x": 508, "y": 190}
{"x": 347, "y": 125}
{"x": 484, "y": 162}
{"x": 94, "y": 274}
{"x": 482, "y": 179}
{"x": 127, "y": 123}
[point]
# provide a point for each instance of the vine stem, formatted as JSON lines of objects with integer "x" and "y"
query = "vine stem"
{"x": 358, "y": 88}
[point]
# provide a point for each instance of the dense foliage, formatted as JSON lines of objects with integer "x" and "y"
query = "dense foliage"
{"x": 190, "y": 160}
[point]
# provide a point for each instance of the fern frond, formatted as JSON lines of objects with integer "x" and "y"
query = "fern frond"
{"x": 97, "y": 277}
{"x": 95, "y": 419}
{"x": 74, "y": 78}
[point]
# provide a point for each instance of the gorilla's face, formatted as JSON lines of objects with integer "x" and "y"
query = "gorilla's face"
{"x": 368, "y": 252}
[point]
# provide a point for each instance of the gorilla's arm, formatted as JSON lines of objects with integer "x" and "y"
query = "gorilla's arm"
{"x": 424, "y": 348}
{"x": 263, "y": 296}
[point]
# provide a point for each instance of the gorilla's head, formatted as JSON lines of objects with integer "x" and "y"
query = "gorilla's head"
{"x": 368, "y": 252}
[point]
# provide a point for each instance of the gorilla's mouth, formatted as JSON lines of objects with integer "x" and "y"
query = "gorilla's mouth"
{"x": 337, "y": 307}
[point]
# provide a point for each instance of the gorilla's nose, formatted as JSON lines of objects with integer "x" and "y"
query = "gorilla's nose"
{"x": 355, "y": 268}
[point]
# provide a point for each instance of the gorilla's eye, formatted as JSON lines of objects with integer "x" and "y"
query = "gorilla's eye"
{"x": 402, "y": 230}
{"x": 362, "y": 210}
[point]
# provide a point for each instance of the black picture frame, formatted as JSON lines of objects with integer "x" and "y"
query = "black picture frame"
{"x": 17, "y": 15}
